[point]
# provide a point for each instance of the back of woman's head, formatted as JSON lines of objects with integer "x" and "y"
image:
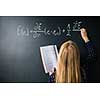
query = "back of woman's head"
{"x": 68, "y": 66}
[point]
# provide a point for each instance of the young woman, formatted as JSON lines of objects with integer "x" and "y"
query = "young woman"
{"x": 69, "y": 69}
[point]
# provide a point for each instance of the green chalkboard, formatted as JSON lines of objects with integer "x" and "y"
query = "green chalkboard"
{"x": 22, "y": 36}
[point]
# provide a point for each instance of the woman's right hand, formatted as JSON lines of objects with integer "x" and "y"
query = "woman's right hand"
{"x": 84, "y": 35}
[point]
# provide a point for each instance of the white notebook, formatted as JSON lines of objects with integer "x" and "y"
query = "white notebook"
{"x": 49, "y": 55}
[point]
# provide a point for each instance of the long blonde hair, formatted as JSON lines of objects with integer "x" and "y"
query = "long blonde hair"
{"x": 68, "y": 66}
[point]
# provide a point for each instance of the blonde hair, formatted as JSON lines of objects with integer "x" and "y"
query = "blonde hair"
{"x": 68, "y": 65}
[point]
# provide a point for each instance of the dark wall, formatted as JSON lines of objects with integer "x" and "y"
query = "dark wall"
{"x": 19, "y": 53}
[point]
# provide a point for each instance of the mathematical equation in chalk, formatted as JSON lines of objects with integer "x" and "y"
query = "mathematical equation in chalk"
{"x": 38, "y": 30}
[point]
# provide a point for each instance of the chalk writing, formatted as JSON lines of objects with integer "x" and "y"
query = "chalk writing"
{"x": 68, "y": 30}
{"x": 38, "y": 30}
{"x": 76, "y": 26}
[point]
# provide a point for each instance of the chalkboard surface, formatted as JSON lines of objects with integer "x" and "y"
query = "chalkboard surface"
{"x": 22, "y": 36}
